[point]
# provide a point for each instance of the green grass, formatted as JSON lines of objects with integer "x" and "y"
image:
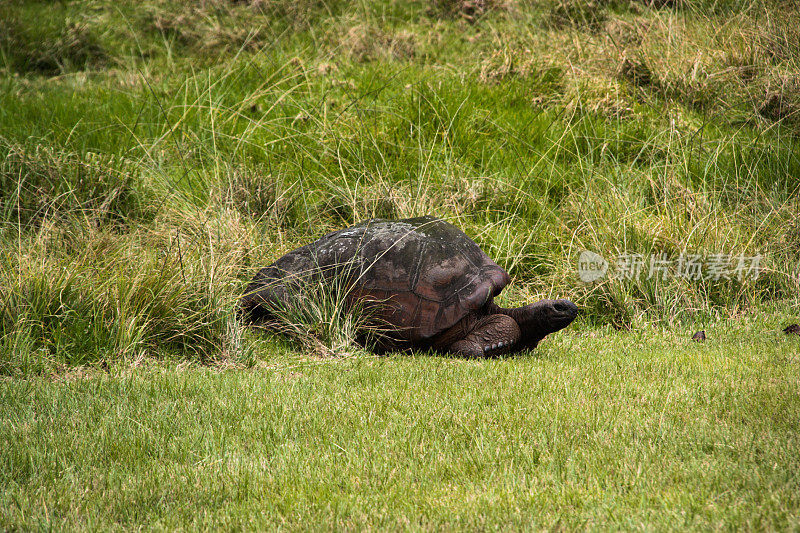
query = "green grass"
{"x": 154, "y": 154}
{"x": 598, "y": 430}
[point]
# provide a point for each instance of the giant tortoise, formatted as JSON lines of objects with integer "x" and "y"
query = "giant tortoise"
{"x": 422, "y": 277}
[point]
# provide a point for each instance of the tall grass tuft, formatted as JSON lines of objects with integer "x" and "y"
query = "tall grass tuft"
{"x": 38, "y": 182}
{"x": 81, "y": 298}
{"x": 321, "y": 319}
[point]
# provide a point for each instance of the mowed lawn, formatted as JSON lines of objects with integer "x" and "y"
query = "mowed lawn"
{"x": 596, "y": 429}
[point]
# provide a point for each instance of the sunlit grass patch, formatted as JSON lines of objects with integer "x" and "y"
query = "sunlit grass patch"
{"x": 629, "y": 430}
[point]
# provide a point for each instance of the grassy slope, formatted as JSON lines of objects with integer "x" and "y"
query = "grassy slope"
{"x": 152, "y": 156}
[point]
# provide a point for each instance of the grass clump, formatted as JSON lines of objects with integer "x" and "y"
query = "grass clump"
{"x": 39, "y": 183}
{"x": 321, "y": 319}
{"x": 468, "y": 10}
{"x": 364, "y": 43}
{"x": 217, "y": 27}
{"x": 47, "y": 43}
{"x": 255, "y": 193}
{"x": 577, "y": 13}
{"x": 84, "y": 296}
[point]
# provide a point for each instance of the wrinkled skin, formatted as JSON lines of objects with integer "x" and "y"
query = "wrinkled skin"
{"x": 422, "y": 277}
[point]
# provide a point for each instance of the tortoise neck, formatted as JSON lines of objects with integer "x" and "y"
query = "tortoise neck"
{"x": 515, "y": 313}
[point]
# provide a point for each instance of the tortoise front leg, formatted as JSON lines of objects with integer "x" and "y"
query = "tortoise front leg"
{"x": 492, "y": 335}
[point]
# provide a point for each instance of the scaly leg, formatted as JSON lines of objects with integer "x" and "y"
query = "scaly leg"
{"x": 492, "y": 335}
{"x": 538, "y": 320}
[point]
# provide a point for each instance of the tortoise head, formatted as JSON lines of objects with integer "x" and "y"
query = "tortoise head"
{"x": 539, "y": 319}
